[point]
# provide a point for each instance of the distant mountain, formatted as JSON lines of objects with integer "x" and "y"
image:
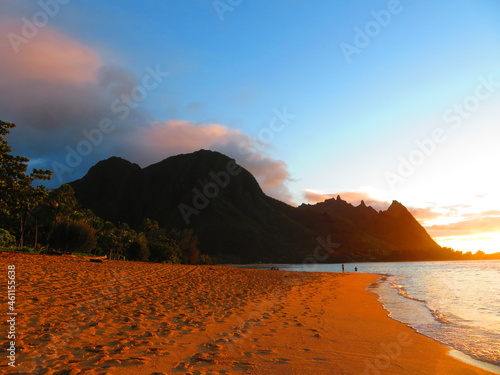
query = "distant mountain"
{"x": 233, "y": 218}
{"x": 395, "y": 226}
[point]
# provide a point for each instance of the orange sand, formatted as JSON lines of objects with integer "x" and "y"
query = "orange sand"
{"x": 78, "y": 317}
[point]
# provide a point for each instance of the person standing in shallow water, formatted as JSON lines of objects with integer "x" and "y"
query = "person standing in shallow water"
{"x": 342, "y": 267}
{"x": 355, "y": 269}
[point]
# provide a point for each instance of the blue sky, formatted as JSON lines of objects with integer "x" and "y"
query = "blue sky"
{"x": 353, "y": 118}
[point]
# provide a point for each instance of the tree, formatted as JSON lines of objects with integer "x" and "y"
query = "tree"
{"x": 138, "y": 248}
{"x": 19, "y": 197}
{"x": 480, "y": 254}
{"x": 207, "y": 259}
{"x": 62, "y": 203}
{"x": 123, "y": 237}
{"x": 73, "y": 236}
{"x": 165, "y": 250}
{"x": 149, "y": 226}
{"x": 188, "y": 244}
{"x": 6, "y": 239}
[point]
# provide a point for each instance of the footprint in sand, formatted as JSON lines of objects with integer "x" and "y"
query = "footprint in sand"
{"x": 321, "y": 359}
{"x": 249, "y": 354}
{"x": 265, "y": 351}
{"x": 243, "y": 366}
{"x": 212, "y": 346}
{"x": 183, "y": 366}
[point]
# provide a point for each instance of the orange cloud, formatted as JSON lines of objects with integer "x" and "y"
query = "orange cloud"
{"x": 313, "y": 197}
{"x": 180, "y": 136}
{"x": 478, "y": 225}
{"x": 425, "y": 214}
{"x": 49, "y": 57}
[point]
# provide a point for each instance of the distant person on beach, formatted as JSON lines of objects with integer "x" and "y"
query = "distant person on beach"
{"x": 355, "y": 269}
{"x": 342, "y": 268}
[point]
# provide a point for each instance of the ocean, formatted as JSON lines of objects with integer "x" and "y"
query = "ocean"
{"x": 456, "y": 303}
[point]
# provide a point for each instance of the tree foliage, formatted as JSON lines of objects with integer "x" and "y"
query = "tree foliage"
{"x": 188, "y": 244}
{"x": 19, "y": 197}
{"x": 6, "y": 239}
{"x": 73, "y": 237}
{"x": 163, "y": 249}
{"x": 138, "y": 249}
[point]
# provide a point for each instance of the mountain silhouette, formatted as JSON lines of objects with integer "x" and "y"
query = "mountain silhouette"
{"x": 395, "y": 226}
{"x": 235, "y": 220}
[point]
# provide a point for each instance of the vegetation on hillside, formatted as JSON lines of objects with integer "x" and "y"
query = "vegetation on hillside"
{"x": 34, "y": 219}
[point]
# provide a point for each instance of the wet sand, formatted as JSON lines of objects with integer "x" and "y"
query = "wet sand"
{"x": 115, "y": 317}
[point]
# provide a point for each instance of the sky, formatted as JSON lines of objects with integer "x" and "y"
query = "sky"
{"x": 373, "y": 100}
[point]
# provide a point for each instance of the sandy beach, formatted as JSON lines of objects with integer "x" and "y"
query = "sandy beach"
{"x": 116, "y": 317}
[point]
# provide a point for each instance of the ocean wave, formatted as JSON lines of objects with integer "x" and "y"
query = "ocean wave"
{"x": 403, "y": 292}
{"x": 448, "y": 329}
{"x": 440, "y": 317}
{"x": 436, "y": 314}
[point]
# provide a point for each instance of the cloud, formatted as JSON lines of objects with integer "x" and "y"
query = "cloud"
{"x": 491, "y": 213}
{"x": 55, "y": 88}
{"x": 480, "y": 224}
{"x": 162, "y": 139}
{"x": 49, "y": 57}
{"x": 443, "y": 215}
{"x": 425, "y": 214}
{"x": 58, "y": 88}
{"x": 353, "y": 197}
{"x": 312, "y": 197}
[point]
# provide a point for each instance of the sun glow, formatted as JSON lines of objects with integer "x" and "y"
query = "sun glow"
{"x": 487, "y": 242}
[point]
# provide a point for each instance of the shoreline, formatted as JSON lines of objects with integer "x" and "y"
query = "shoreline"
{"x": 457, "y": 354}
{"x": 474, "y": 362}
{"x": 121, "y": 317}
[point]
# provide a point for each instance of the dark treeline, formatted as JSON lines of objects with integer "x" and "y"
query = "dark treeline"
{"x": 445, "y": 253}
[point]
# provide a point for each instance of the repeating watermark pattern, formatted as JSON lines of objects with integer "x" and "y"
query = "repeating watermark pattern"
{"x": 364, "y": 36}
{"x": 11, "y": 315}
{"x": 461, "y": 111}
{"x": 221, "y": 7}
{"x": 122, "y": 108}
{"x": 454, "y": 118}
{"x": 31, "y": 27}
{"x": 407, "y": 165}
